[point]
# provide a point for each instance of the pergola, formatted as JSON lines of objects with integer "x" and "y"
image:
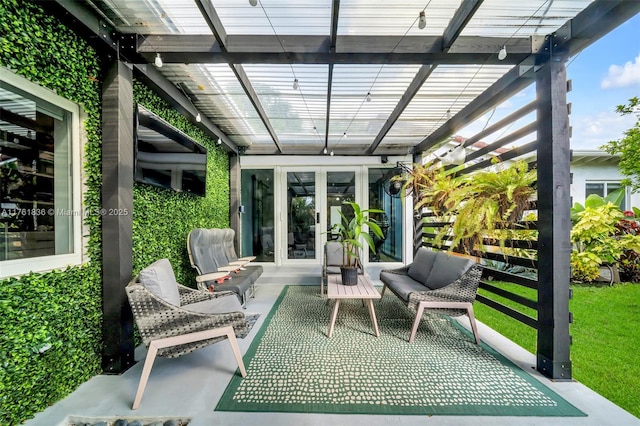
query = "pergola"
{"x": 352, "y": 77}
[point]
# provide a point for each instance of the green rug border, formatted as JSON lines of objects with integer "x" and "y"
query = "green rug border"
{"x": 563, "y": 409}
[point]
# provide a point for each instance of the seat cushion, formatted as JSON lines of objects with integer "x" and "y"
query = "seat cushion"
{"x": 218, "y": 305}
{"x": 447, "y": 269}
{"x": 401, "y": 285}
{"x": 422, "y": 264}
{"x": 159, "y": 279}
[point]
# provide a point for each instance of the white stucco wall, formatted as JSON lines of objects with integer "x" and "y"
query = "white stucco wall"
{"x": 597, "y": 173}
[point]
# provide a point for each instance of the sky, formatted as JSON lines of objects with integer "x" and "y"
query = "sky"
{"x": 604, "y": 75}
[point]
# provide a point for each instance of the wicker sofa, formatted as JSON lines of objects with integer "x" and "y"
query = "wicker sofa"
{"x": 436, "y": 281}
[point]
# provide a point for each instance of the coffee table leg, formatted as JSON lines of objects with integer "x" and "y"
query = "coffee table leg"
{"x": 372, "y": 314}
{"x": 334, "y": 314}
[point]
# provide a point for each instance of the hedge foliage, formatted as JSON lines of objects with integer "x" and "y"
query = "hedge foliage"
{"x": 51, "y": 322}
{"x": 162, "y": 218}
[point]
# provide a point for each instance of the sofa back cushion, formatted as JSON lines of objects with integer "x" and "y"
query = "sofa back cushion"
{"x": 422, "y": 265}
{"x": 333, "y": 251}
{"x": 447, "y": 269}
{"x": 159, "y": 279}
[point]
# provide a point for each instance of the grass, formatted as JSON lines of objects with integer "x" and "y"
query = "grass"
{"x": 605, "y": 354}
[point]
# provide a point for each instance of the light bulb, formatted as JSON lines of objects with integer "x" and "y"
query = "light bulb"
{"x": 219, "y": 141}
{"x": 331, "y": 153}
{"x": 253, "y": 3}
{"x": 422, "y": 21}
{"x": 295, "y": 84}
{"x": 325, "y": 150}
{"x": 158, "y": 61}
{"x": 448, "y": 114}
{"x": 502, "y": 54}
{"x": 344, "y": 135}
{"x": 198, "y": 118}
{"x": 368, "y": 98}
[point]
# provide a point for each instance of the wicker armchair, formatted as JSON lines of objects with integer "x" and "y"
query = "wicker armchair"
{"x": 454, "y": 300}
{"x": 170, "y": 331}
{"x": 436, "y": 282}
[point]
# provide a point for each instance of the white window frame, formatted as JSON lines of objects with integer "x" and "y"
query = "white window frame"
{"x": 16, "y": 267}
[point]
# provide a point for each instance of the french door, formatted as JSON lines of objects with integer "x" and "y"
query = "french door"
{"x": 311, "y": 202}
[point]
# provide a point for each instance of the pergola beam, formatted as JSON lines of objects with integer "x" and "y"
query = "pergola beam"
{"x": 509, "y": 84}
{"x": 169, "y": 92}
{"x": 464, "y": 13}
{"x": 301, "y": 49}
{"x": 450, "y": 35}
{"x": 215, "y": 25}
{"x": 335, "y": 13}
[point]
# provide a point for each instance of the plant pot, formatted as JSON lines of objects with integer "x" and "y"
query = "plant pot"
{"x": 349, "y": 276}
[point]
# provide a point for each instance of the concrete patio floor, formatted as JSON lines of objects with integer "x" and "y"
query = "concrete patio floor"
{"x": 190, "y": 386}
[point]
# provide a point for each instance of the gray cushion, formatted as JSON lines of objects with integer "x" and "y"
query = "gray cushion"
{"x": 219, "y": 305}
{"x": 159, "y": 279}
{"x": 422, "y": 264}
{"x": 447, "y": 269}
{"x": 334, "y": 253}
{"x": 401, "y": 284}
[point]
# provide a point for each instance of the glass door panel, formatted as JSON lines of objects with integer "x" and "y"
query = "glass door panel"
{"x": 341, "y": 187}
{"x": 257, "y": 218}
{"x": 388, "y": 248}
{"x": 301, "y": 215}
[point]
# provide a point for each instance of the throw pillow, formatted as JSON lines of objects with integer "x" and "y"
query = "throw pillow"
{"x": 422, "y": 265}
{"x": 159, "y": 279}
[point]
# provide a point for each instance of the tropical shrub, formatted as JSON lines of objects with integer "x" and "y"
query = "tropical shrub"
{"x": 598, "y": 238}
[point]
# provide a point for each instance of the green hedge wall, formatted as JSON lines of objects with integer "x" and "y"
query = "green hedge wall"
{"x": 162, "y": 218}
{"x": 51, "y": 322}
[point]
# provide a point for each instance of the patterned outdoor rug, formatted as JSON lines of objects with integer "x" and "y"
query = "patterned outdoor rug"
{"x": 293, "y": 367}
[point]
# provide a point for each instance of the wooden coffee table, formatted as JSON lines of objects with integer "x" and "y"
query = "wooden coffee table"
{"x": 364, "y": 290}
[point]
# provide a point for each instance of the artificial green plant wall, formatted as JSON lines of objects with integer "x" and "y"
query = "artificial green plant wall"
{"x": 162, "y": 218}
{"x": 51, "y": 322}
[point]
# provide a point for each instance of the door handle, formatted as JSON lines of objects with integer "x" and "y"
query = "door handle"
{"x": 318, "y": 217}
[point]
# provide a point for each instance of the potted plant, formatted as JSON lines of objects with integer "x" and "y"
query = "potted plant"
{"x": 350, "y": 231}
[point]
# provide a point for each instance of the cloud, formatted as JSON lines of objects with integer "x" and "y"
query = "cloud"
{"x": 621, "y": 76}
{"x": 594, "y": 130}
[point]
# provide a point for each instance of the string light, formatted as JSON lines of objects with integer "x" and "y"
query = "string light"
{"x": 296, "y": 85}
{"x": 325, "y": 150}
{"x": 502, "y": 54}
{"x": 344, "y": 135}
{"x": 422, "y": 21}
{"x": 368, "y": 98}
{"x": 198, "y": 118}
{"x": 158, "y": 61}
{"x": 332, "y": 153}
{"x": 253, "y": 3}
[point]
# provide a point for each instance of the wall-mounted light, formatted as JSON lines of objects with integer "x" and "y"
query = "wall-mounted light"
{"x": 502, "y": 54}
{"x": 422, "y": 20}
{"x": 158, "y": 61}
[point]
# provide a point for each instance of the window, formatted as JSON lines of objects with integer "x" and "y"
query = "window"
{"x": 257, "y": 219}
{"x": 603, "y": 189}
{"x": 40, "y": 215}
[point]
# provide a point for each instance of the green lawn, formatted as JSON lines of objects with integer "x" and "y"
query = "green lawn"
{"x": 605, "y": 353}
